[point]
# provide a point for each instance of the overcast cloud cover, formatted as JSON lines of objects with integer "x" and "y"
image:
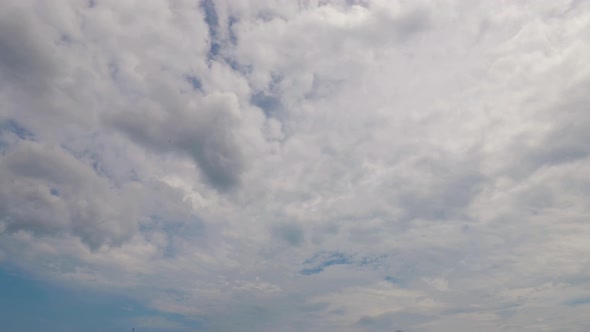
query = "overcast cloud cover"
{"x": 303, "y": 165}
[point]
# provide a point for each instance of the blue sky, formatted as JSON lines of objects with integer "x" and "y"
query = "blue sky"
{"x": 278, "y": 165}
{"x": 33, "y": 305}
{"x": 30, "y": 304}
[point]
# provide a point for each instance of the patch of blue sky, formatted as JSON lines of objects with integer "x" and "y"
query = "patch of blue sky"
{"x": 16, "y": 128}
{"x": 233, "y": 38}
{"x": 578, "y": 301}
{"x": 30, "y": 305}
{"x": 323, "y": 260}
{"x": 268, "y": 103}
{"x": 194, "y": 82}
{"x": 394, "y": 281}
{"x": 212, "y": 21}
{"x": 372, "y": 260}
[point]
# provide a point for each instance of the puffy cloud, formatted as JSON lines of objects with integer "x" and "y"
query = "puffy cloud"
{"x": 311, "y": 165}
{"x": 46, "y": 190}
{"x": 206, "y": 132}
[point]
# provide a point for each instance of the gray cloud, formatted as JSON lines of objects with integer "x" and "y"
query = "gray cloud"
{"x": 47, "y": 191}
{"x": 27, "y": 59}
{"x": 291, "y": 233}
{"x": 565, "y": 140}
{"x": 207, "y": 132}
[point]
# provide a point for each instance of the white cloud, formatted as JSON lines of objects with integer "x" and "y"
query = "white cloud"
{"x": 311, "y": 165}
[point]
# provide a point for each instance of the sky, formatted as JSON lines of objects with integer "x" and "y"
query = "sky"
{"x": 294, "y": 165}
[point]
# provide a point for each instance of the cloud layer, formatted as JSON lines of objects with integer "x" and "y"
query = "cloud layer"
{"x": 303, "y": 166}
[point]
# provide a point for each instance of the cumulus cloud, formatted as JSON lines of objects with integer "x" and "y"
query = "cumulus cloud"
{"x": 310, "y": 165}
{"x": 46, "y": 190}
{"x": 206, "y": 132}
